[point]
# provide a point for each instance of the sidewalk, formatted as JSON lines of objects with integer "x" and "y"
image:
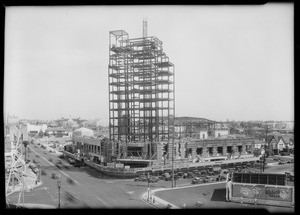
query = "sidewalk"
{"x": 162, "y": 204}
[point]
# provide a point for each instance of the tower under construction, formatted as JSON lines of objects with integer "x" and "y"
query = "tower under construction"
{"x": 141, "y": 96}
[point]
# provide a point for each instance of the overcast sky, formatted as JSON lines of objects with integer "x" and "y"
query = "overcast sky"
{"x": 231, "y": 62}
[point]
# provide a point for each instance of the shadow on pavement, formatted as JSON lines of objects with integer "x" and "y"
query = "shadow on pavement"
{"x": 219, "y": 195}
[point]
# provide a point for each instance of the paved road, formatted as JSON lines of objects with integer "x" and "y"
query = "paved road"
{"x": 90, "y": 188}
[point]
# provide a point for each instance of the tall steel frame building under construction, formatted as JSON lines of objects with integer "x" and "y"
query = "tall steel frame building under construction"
{"x": 141, "y": 94}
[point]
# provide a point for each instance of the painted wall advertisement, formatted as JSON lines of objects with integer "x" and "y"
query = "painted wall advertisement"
{"x": 262, "y": 192}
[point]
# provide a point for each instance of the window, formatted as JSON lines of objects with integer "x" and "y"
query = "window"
{"x": 203, "y": 136}
{"x": 219, "y": 135}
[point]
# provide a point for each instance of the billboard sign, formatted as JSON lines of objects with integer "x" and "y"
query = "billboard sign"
{"x": 262, "y": 192}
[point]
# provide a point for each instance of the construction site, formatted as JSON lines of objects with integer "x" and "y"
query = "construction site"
{"x": 141, "y": 95}
{"x": 143, "y": 129}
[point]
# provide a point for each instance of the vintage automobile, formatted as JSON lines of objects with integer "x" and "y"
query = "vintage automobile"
{"x": 198, "y": 180}
{"x": 179, "y": 174}
{"x": 152, "y": 179}
{"x": 54, "y": 176}
{"x": 223, "y": 174}
{"x": 188, "y": 175}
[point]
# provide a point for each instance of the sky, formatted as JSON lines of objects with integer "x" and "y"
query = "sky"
{"x": 231, "y": 62}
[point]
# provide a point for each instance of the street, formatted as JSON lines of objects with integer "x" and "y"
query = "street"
{"x": 90, "y": 188}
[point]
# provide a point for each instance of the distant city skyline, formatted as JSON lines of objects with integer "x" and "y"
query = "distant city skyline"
{"x": 231, "y": 62}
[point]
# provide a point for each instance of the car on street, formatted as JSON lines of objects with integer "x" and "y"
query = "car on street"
{"x": 43, "y": 172}
{"x": 54, "y": 176}
{"x": 69, "y": 197}
{"x": 70, "y": 180}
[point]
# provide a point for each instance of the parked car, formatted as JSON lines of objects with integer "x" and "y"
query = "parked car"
{"x": 285, "y": 153}
{"x": 176, "y": 177}
{"x": 77, "y": 164}
{"x": 223, "y": 174}
{"x": 198, "y": 180}
{"x": 238, "y": 169}
{"x": 188, "y": 175}
{"x": 59, "y": 162}
{"x": 71, "y": 161}
{"x": 210, "y": 178}
{"x": 202, "y": 173}
{"x": 152, "y": 179}
{"x": 180, "y": 174}
{"x": 141, "y": 178}
{"x": 166, "y": 176}
{"x": 196, "y": 172}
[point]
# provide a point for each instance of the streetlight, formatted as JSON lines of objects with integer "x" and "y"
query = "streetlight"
{"x": 58, "y": 185}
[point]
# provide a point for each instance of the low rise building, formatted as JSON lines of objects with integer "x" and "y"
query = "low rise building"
{"x": 220, "y": 133}
{"x": 80, "y": 132}
{"x": 35, "y": 129}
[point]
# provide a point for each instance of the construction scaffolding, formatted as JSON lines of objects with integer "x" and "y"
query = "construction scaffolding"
{"x": 141, "y": 92}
